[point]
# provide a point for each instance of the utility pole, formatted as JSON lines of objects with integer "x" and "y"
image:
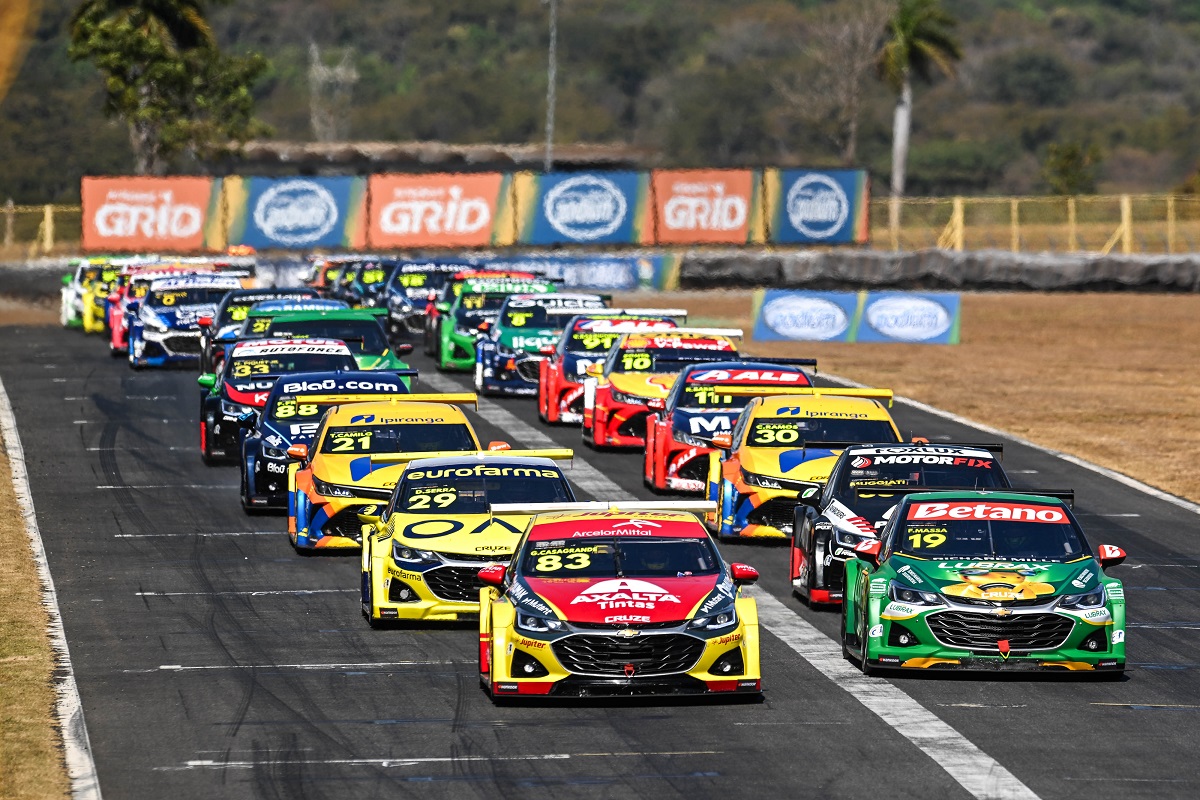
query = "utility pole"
{"x": 551, "y": 77}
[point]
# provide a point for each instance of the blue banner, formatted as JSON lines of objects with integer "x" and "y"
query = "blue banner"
{"x": 817, "y": 207}
{"x": 910, "y": 317}
{"x": 584, "y": 272}
{"x": 582, "y": 207}
{"x": 301, "y": 213}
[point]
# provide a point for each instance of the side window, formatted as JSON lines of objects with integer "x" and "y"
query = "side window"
{"x": 743, "y": 422}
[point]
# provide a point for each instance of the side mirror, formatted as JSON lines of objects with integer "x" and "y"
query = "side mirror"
{"x": 248, "y": 420}
{"x": 1111, "y": 556}
{"x": 548, "y": 350}
{"x": 497, "y": 446}
{"x": 484, "y": 327}
{"x": 656, "y": 403}
{"x": 298, "y": 452}
{"x": 403, "y": 349}
{"x": 869, "y": 551}
{"x": 723, "y": 440}
{"x": 66, "y": 279}
{"x": 743, "y": 574}
{"x": 493, "y": 575}
{"x": 205, "y": 322}
{"x": 594, "y": 370}
{"x": 810, "y": 496}
{"x": 207, "y": 381}
{"x": 442, "y": 307}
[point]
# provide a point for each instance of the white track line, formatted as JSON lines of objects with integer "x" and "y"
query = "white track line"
{"x": 302, "y": 667}
{"x": 979, "y": 773}
{"x": 261, "y": 593}
{"x": 1132, "y": 483}
{"x": 193, "y": 535}
{"x": 411, "y": 762}
{"x": 227, "y": 487}
{"x": 81, "y": 767}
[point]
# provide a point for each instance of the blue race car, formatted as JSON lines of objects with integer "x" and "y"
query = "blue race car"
{"x": 165, "y": 325}
{"x": 283, "y": 423}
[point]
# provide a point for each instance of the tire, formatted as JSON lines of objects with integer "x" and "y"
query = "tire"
{"x": 846, "y": 654}
{"x": 374, "y": 624}
{"x": 206, "y": 444}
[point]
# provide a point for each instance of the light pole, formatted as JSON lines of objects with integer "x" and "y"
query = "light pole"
{"x": 551, "y": 76}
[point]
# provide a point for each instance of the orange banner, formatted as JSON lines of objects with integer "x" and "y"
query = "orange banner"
{"x": 146, "y": 214}
{"x": 703, "y": 206}
{"x": 434, "y": 210}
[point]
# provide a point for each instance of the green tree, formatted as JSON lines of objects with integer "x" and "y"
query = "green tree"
{"x": 166, "y": 79}
{"x": 919, "y": 42}
{"x": 1070, "y": 168}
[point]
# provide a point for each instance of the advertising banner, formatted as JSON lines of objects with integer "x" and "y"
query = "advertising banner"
{"x": 910, "y": 317}
{"x": 145, "y": 214}
{"x": 466, "y": 210}
{"x": 597, "y": 273}
{"x": 706, "y": 206}
{"x": 582, "y": 207}
{"x": 817, "y": 207}
{"x": 295, "y": 213}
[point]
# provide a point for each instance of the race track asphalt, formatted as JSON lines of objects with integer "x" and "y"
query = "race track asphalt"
{"x": 214, "y": 662}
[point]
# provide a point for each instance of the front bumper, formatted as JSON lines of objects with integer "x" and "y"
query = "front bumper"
{"x": 330, "y": 522}
{"x": 155, "y": 349}
{"x": 458, "y": 353}
{"x": 515, "y": 375}
{"x": 761, "y": 513}
{"x": 619, "y": 424}
{"x": 447, "y": 591}
{"x": 684, "y": 468}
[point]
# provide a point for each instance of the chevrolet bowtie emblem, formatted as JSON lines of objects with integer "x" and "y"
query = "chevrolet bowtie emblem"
{"x": 628, "y": 633}
{"x": 1002, "y": 612}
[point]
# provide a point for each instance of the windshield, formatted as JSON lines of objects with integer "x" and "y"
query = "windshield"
{"x": 475, "y": 308}
{"x": 421, "y": 437}
{"x": 665, "y": 359}
{"x": 374, "y": 273}
{"x": 348, "y": 330}
{"x": 853, "y": 485}
{"x": 434, "y": 491}
{"x": 531, "y": 316}
{"x": 601, "y": 557}
{"x": 1002, "y": 530}
{"x": 196, "y": 295}
{"x": 788, "y": 432}
{"x": 283, "y": 363}
{"x": 419, "y": 282}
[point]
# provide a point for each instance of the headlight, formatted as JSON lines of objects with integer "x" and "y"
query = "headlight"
{"x": 501, "y": 350}
{"x": 761, "y": 481}
{"x": 722, "y": 618}
{"x": 1093, "y": 599}
{"x": 628, "y": 399}
{"x": 235, "y": 409}
{"x": 409, "y": 555}
{"x": 536, "y": 624}
{"x": 152, "y": 320}
{"x": 914, "y": 597}
{"x": 848, "y": 539}
{"x": 330, "y": 489}
{"x": 464, "y": 331}
{"x": 689, "y": 440}
{"x": 274, "y": 452}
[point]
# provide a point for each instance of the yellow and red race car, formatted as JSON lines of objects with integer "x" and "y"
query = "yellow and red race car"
{"x": 617, "y": 600}
{"x": 785, "y": 445}
{"x": 421, "y": 559}
{"x": 641, "y": 367}
{"x": 358, "y": 454}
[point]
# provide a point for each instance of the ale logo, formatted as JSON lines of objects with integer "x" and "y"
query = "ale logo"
{"x": 909, "y": 319}
{"x": 805, "y": 317}
{"x": 817, "y": 206}
{"x": 296, "y": 212}
{"x": 585, "y": 207}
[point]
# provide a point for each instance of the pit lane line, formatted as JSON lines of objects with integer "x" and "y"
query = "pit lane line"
{"x": 974, "y": 770}
{"x": 68, "y": 708}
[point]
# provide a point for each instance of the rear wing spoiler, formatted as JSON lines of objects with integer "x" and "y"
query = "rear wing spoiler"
{"x": 458, "y": 399}
{"x": 995, "y": 449}
{"x": 735, "y": 333}
{"x": 619, "y": 312}
{"x": 807, "y": 391}
{"x": 793, "y": 362}
{"x": 1066, "y": 495}
{"x": 695, "y": 506}
{"x": 558, "y": 454}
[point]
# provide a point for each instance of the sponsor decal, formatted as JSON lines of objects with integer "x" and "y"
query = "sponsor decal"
{"x": 364, "y": 418}
{"x": 748, "y": 376}
{"x": 805, "y": 317}
{"x": 817, "y": 206}
{"x": 528, "y": 599}
{"x": 1097, "y": 616}
{"x": 1082, "y": 580}
{"x": 709, "y": 605}
{"x": 1024, "y": 567}
{"x": 296, "y": 212}
{"x": 957, "y": 461}
{"x": 698, "y": 424}
{"x": 898, "y": 611}
{"x": 878, "y": 587}
{"x": 909, "y": 318}
{"x": 626, "y": 618}
{"x": 276, "y": 467}
{"x": 910, "y": 574}
{"x": 585, "y": 208}
{"x": 138, "y": 213}
{"x": 399, "y": 573}
{"x": 1111, "y": 551}
{"x": 703, "y": 206}
{"x": 1118, "y": 637}
{"x": 621, "y": 593}
{"x": 389, "y": 613}
{"x": 876, "y": 631}
{"x": 998, "y": 586}
{"x": 530, "y": 644}
{"x": 1020, "y": 512}
{"x": 731, "y": 638}
{"x": 432, "y": 210}
{"x": 861, "y": 462}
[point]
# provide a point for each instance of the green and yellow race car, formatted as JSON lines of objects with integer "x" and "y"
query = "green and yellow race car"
{"x": 477, "y": 302}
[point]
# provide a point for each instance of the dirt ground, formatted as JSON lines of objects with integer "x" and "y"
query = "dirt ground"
{"x": 23, "y": 312}
{"x": 1107, "y": 377}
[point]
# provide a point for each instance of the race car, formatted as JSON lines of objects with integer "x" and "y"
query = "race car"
{"x": 509, "y": 349}
{"x": 584, "y": 342}
{"x": 357, "y": 456}
{"x": 246, "y": 379}
{"x": 406, "y": 294}
{"x": 231, "y": 312}
{"x": 784, "y": 445}
{"x": 707, "y": 399}
{"x": 860, "y": 492}
{"x": 326, "y": 270}
{"x": 264, "y": 312}
{"x": 421, "y": 560}
{"x": 166, "y": 322}
{"x": 478, "y": 302}
{"x": 285, "y": 422}
{"x": 359, "y": 328}
{"x": 132, "y": 286}
{"x": 641, "y": 367}
{"x": 77, "y": 297}
{"x": 94, "y": 301}
{"x": 617, "y": 600}
{"x": 1003, "y": 581}
{"x": 439, "y": 301}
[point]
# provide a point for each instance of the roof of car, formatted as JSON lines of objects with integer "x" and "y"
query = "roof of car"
{"x": 803, "y": 406}
{"x": 983, "y": 496}
{"x": 198, "y": 281}
{"x": 746, "y": 373}
{"x": 386, "y": 411}
{"x": 569, "y": 525}
{"x": 340, "y": 383}
{"x": 670, "y": 340}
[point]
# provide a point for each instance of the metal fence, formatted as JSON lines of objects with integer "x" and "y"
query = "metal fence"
{"x": 1100, "y": 223}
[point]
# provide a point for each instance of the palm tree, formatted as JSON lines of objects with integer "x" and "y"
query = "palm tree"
{"x": 919, "y": 41}
{"x": 180, "y": 23}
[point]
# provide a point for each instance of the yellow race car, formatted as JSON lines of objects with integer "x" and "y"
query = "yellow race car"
{"x": 617, "y": 600}
{"x": 784, "y": 445}
{"x": 358, "y": 453}
{"x": 421, "y": 560}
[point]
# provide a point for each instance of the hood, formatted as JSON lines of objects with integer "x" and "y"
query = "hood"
{"x": 704, "y": 424}
{"x": 809, "y": 464}
{"x": 250, "y": 393}
{"x": 359, "y": 471}
{"x": 642, "y": 384}
{"x": 367, "y": 361}
{"x": 185, "y": 317}
{"x": 998, "y": 581}
{"x": 529, "y": 340}
{"x": 470, "y": 534}
{"x": 633, "y": 600}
